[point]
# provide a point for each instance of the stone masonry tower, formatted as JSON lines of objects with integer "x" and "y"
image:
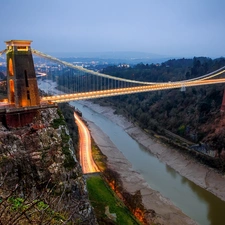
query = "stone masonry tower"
{"x": 21, "y": 77}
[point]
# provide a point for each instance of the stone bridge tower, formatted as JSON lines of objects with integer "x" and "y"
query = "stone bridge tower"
{"x": 21, "y": 77}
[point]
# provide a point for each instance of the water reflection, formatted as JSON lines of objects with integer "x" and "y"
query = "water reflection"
{"x": 215, "y": 206}
{"x": 171, "y": 171}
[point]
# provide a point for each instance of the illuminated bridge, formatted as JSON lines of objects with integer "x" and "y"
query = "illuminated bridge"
{"x": 78, "y": 83}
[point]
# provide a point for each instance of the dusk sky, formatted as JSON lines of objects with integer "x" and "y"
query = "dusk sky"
{"x": 179, "y": 28}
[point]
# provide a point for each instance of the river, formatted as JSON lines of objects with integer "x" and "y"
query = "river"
{"x": 194, "y": 201}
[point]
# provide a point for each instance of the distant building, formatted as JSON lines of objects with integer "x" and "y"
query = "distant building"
{"x": 123, "y": 65}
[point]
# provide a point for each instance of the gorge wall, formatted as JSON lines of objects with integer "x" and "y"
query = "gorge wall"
{"x": 40, "y": 177}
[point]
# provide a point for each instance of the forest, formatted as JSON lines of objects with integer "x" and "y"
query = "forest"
{"x": 193, "y": 114}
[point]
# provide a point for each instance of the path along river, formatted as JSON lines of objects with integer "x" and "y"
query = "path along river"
{"x": 196, "y": 202}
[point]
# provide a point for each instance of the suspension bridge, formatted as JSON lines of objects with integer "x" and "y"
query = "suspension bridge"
{"x": 113, "y": 86}
{"x": 78, "y": 82}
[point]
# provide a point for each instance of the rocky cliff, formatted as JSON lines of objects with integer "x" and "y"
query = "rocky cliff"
{"x": 40, "y": 178}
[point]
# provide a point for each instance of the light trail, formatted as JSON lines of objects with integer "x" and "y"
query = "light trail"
{"x": 87, "y": 163}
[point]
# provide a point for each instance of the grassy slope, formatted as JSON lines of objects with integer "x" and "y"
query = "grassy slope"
{"x": 101, "y": 196}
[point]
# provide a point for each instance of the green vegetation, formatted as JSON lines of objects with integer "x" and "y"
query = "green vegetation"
{"x": 69, "y": 160}
{"x": 68, "y": 113}
{"x": 17, "y": 203}
{"x": 16, "y": 210}
{"x": 57, "y": 122}
{"x": 99, "y": 158}
{"x": 101, "y": 196}
{"x": 193, "y": 114}
{"x": 65, "y": 137}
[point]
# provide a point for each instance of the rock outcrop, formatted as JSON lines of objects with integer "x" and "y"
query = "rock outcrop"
{"x": 38, "y": 166}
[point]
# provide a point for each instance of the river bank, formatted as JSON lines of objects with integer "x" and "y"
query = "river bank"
{"x": 166, "y": 211}
{"x": 198, "y": 173}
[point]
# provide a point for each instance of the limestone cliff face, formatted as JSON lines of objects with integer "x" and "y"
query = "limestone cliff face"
{"x": 37, "y": 162}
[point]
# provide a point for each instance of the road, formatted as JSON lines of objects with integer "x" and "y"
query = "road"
{"x": 87, "y": 163}
{"x": 129, "y": 90}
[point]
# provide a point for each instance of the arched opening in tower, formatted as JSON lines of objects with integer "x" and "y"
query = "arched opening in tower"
{"x": 26, "y": 79}
{"x": 11, "y": 71}
{"x": 12, "y": 91}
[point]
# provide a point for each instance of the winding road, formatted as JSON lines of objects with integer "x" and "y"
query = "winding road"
{"x": 87, "y": 163}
